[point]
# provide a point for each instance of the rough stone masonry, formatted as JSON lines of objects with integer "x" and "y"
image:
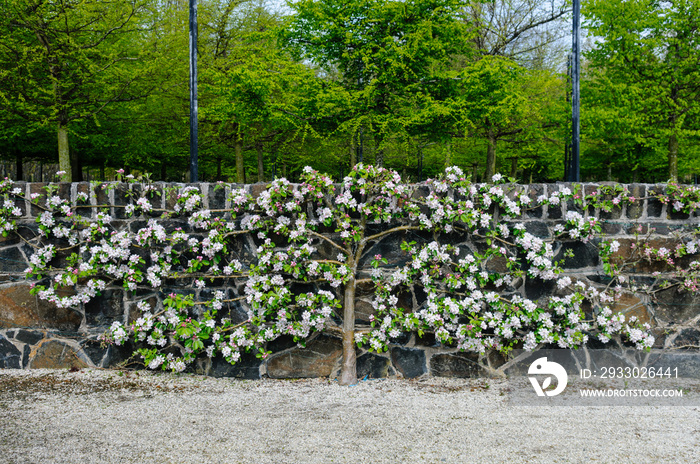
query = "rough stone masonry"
{"x": 36, "y": 334}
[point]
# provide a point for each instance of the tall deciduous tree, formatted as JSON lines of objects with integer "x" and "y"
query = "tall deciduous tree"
{"x": 653, "y": 49}
{"x": 64, "y": 61}
{"x": 502, "y": 101}
{"x": 384, "y": 51}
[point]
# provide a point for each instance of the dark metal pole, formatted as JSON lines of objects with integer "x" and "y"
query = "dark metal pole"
{"x": 575, "y": 171}
{"x": 193, "y": 91}
{"x": 567, "y": 145}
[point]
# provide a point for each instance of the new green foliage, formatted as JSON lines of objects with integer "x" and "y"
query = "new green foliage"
{"x": 646, "y": 76}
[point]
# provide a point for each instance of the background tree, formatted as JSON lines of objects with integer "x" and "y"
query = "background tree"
{"x": 66, "y": 61}
{"x": 652, "y": 53}
{"x": 384, "y": 52}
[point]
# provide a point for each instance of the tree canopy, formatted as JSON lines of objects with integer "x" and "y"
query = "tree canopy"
{"x": 411, "y": 85}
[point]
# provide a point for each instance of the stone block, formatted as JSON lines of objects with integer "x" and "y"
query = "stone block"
{"x": 63, "y": 190}
{"x": 82, "y": 208}
{"x": 676, "y": 306}
{"x": 101, "y": 311}
{"x": 688, "y": 338}
{"x": 461, "y": 365}
{"x": 537, "y": 288}
{"x": 281, "y": 343}
{"x": 572, "y": 205}
{"x": 410, "y": 362}
{"x": 318, "y": 359}
{"x": 19, "y": 202}
{"x": 171, "y": 194}
{"x": 635, "y": 209}
{"x": 122, "y": 197}
{"x": 58, "y": 354}
{"x": 610, "y": 228}
{"x": 12, "y": 260}
{"x": 217, "y": 196}
{"x": 12, "y": 238}
{"x": 538, "y": 229}
{"x": 534, "y": 191}
{"x": 614, "y": 213}
{"x": 256, "y": 189}
{"x": 96, "y": 351}
{"x": 247, "y": 367}
{"x": 631, "y": 305}
{"x": 390, "y": 248}
{"x": 554, "y": 212}
{"x": 10, "y": 356}
{"x": 18, "y": 308}
{"x": 427, "y": 339}
{"x": 373, "y": 366}
{"x": 654, "y": 206}
{"x": 30, "y": 337}
{"x": 37, "y": 188}
{"x": 584, "y": 255}
{"x": 674, "y": 215}
{"x": 102, "y": 196}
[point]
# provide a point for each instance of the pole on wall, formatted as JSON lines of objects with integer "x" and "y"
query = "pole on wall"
{"x": 193, "y": 92}
{"x": 574, "y": 171}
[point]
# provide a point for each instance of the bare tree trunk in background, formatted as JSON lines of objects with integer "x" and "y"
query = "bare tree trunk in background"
{"x": 261, "y": 170}
{"x": 490, "y": 157}
{"x": 378, "y": 152}
{"x": 240, "y": 167}
{"x": 448, "y": 156}
{"x": 353, "y": 152}
{"x": 673, "y": 157}
{"x": 64, "y": 158}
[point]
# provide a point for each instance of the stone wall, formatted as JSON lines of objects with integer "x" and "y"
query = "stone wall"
{"x": 36, "y": 334}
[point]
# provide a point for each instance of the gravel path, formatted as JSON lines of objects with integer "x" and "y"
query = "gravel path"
{"x": 96, "y": 416}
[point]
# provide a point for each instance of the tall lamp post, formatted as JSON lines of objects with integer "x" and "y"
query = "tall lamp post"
{"x": 574, "y": 171}
{"x": 193, "y": 91}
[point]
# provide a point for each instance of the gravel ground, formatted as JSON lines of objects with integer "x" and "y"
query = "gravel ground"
{"x": 97, "y": 416}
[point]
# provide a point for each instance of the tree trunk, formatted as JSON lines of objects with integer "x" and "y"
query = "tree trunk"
{"x": 448, "y": 156}
{"x": 20, "y": 168}
{"x": 240, "y": 167}
{"x": 353, "y": 152}
{"x": 76, "y": 168}
{"x": 261, "y": 172}
{"x": 490, "y": 157}
{"x": 348, "y": 372}
{"x": 378, "y": 153}
{"x": 673, "y": 157}
{"x": 64, "y": 159}
{"x": 513, "y": 167}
